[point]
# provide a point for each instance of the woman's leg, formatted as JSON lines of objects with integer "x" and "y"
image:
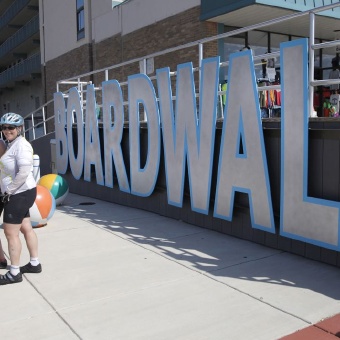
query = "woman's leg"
{"x": 34, "y": 265}
{"x": 3, "y": 260}
{"x": 14, "y": 243}
{"x": 2, "y": 254}
{"x": 30, "y": 237}
{"x": 14, "y": 250}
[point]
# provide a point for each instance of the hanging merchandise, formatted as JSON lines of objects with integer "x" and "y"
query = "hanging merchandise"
{"x": 334, "y": 100}
{"x": 332, "y": 111}
{"x": 326, "y": 107}
{"x": 270, "y": 100}
{"x": 224, "y": 89}
{"x": 271, "y": 73}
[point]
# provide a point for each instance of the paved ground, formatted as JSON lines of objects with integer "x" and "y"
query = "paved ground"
{"x": 113, "y": 272}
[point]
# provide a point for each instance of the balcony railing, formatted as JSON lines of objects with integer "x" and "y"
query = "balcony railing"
{"x": 21, "y": 70}
{"x": 12, "y": 11}
{"x": 20, "y": 36}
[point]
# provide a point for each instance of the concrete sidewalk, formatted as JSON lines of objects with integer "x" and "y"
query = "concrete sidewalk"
{"x": 114, "y": 272}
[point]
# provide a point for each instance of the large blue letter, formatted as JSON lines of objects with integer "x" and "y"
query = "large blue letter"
{"x": 304, "y": 218}
{"x": 113, "y": 124}
{"x": 92, "y": 142}
{"x": 191, "y": 135}
{"x": 75, "y": 115}
{"x": 141, "y": 91}
{"x": 243, "y": 170}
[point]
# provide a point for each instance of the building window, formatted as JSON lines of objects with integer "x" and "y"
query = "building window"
{"x": 80, "y": 19}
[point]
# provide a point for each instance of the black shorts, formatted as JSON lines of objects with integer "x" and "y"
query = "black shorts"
{"x": 17, "y": 208}
{"x": 1, "y": 205}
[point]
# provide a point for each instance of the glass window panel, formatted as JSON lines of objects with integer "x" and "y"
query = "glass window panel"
{"x": 81, "y": 23}
{"x": 80, "y": 3}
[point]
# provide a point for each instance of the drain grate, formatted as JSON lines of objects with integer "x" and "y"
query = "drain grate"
{"x": 87, "y": 203}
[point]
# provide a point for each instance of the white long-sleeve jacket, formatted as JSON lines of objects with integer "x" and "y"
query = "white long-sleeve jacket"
{"x": 16, "y": 167}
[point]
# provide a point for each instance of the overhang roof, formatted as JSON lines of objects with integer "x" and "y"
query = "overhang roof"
{"x": 326, "y": 28}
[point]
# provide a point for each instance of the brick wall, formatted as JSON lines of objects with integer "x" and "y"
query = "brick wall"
{"x": 171, "y": 32}
{"x": 77, "y": 61}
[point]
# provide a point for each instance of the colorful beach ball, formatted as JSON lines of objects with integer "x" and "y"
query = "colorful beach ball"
{"x": 43, "y": 207}
{"x": 57, "y": 185}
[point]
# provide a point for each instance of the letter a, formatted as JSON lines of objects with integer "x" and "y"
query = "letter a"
{"x": 244, "y": 171}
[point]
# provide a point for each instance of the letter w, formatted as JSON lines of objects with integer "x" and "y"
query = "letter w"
{"x": 186, "y": 135}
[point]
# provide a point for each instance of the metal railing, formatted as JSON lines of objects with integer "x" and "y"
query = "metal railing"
{"x": 12, "y": 11}
{"x": 24, "y": 68}
{"x": 20, "y": 36}
{"x": 80, "y": 81}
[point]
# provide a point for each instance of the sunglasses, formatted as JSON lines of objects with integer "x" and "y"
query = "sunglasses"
{"x": 3, "y": 128}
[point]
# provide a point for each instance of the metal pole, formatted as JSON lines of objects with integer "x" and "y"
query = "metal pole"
{"x": 200, "y": 58}
{"x": 43, "y": 112}
{"x": 33, "y": 127}
{"x": 81, "y": 94}
{"x": 144, "y": 66}
{"x": 311, "y": 62}
{"x": 220, "y": 100}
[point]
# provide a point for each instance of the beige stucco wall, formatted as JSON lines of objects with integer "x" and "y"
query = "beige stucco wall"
{"x": 58, "y": 28}
{"x": 58, "y": 21}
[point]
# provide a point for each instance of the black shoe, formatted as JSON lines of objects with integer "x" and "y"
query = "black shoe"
{"x": 10, "y": 278}
{"x": 28, "y": 268}
{"x": 3, "y": 264}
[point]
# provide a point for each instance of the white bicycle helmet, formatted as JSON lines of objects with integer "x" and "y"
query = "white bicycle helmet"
{"x": 12, "y": 118}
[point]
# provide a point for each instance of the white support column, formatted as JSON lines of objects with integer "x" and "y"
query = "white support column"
{"x": 311, "y": 62}
{"x": 200, "y": 58}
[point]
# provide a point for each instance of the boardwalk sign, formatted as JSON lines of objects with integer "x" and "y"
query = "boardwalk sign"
{"x": 189, "y": 136}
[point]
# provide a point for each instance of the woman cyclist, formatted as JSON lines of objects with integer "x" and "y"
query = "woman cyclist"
{"x": 18, "y": 189}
